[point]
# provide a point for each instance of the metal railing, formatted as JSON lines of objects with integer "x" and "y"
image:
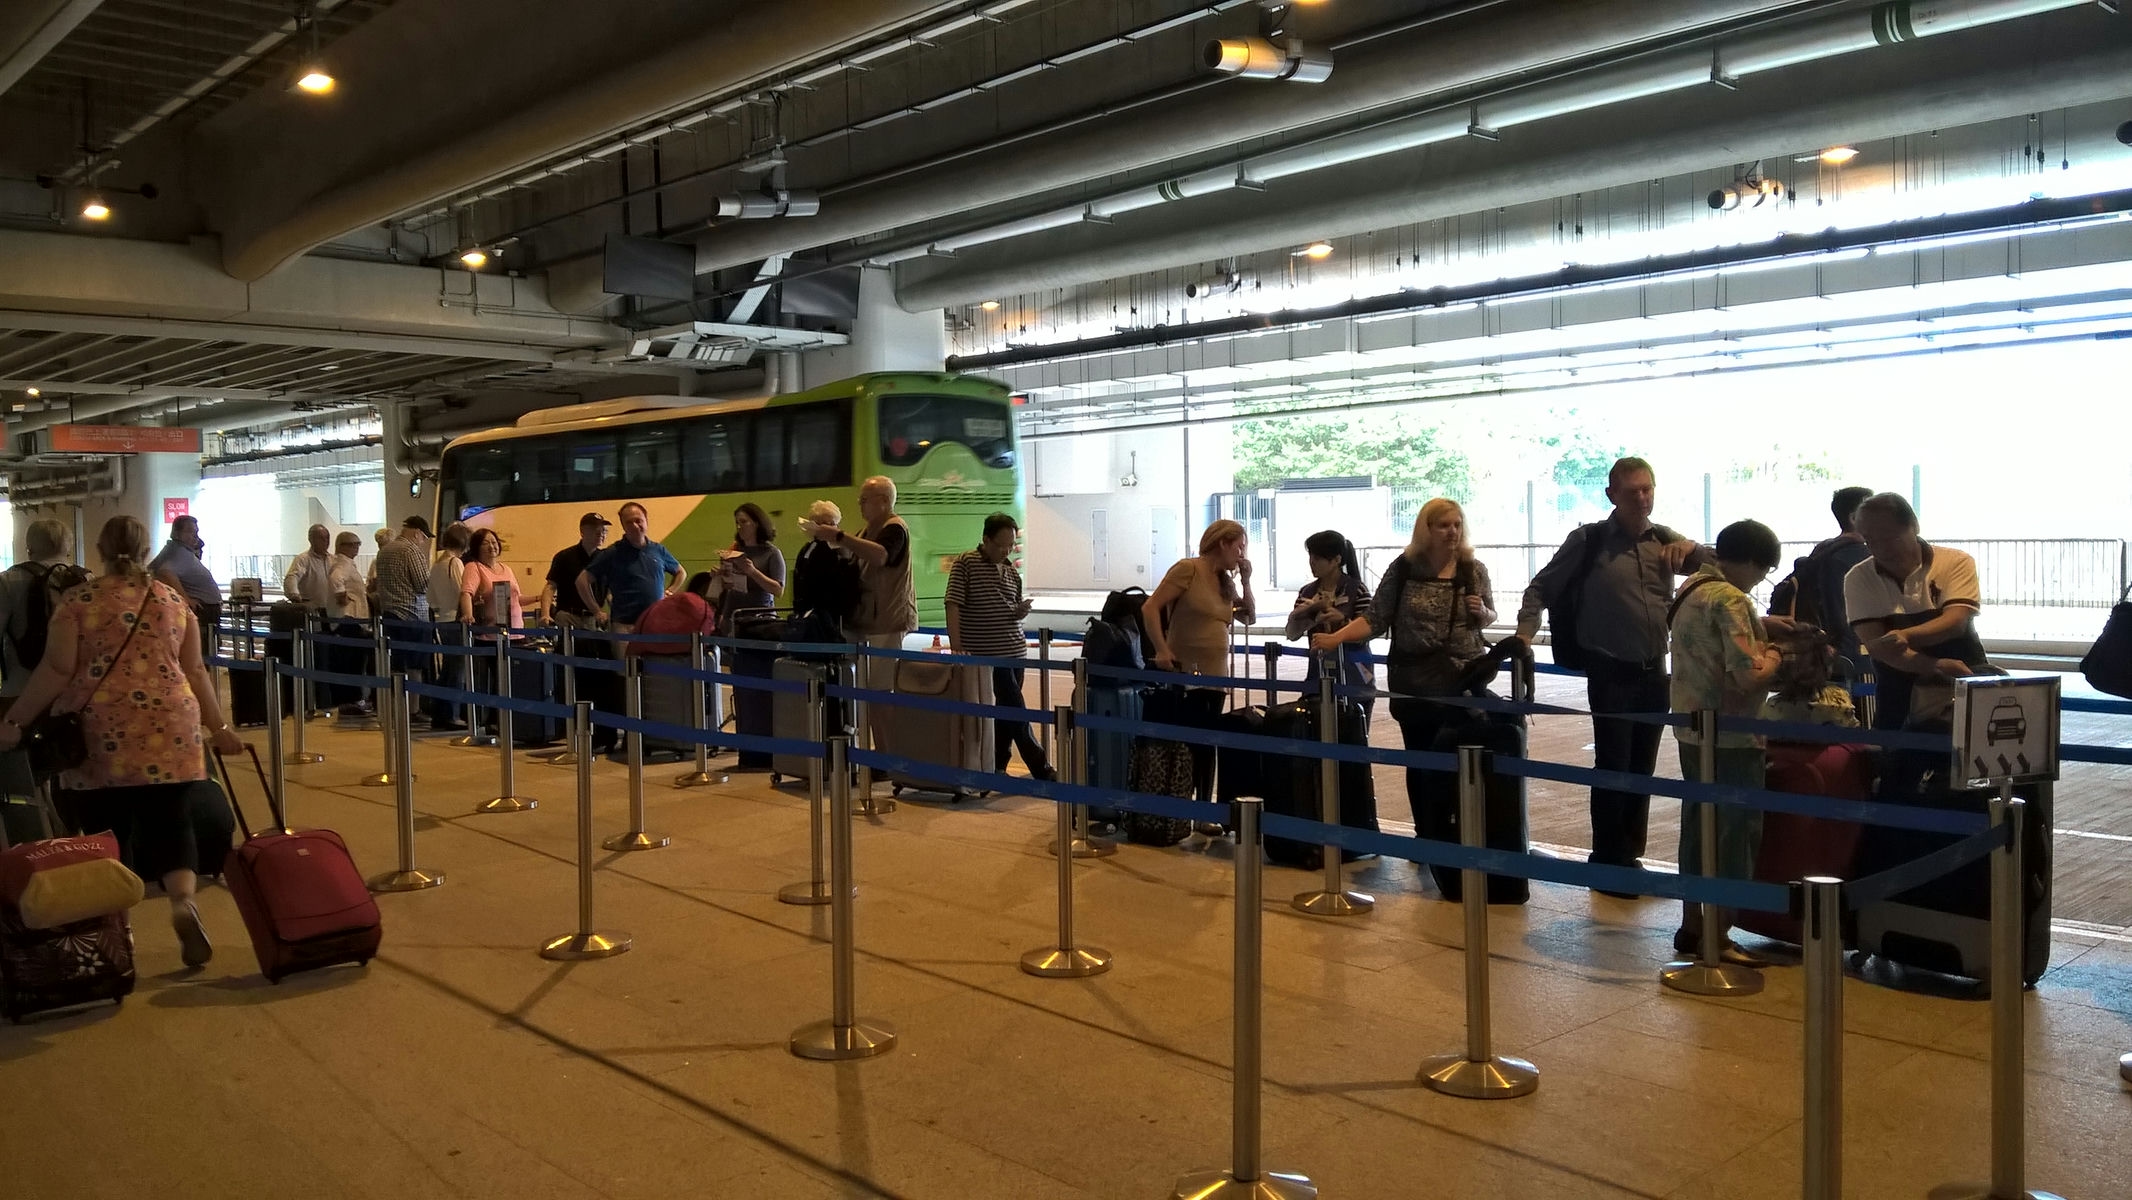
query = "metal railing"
{"x": 2013, "y": 572}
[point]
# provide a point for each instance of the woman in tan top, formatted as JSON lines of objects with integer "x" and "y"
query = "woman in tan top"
{"x": 1187, "y": 622}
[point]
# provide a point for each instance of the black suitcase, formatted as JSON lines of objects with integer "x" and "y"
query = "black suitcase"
{"x": 1289, "y": 783}
{"x": 1501, "y": 735}
{"x": 537, "y": 680}
{"x": 1945, "y": 925}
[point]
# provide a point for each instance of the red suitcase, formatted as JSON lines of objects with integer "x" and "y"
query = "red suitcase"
{"x": 301, "y": 897}
{"x": 1793, "y": 846}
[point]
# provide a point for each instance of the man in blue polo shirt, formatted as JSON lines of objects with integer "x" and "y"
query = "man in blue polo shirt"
{"x": 636, "y": 572}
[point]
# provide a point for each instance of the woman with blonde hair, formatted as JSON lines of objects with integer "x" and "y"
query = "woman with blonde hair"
{"x": 1187, "y": 621}
{"x": 1434, "y": 600}
{"x": 124, "y": 652}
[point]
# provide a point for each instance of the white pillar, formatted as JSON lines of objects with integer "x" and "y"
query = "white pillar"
{"x": 883, "y": 337}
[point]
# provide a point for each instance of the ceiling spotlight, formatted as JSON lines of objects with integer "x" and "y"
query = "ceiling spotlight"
{"x": 1746, "y": 193}
{"x": 990, "y": 306}
{"x": 94, "y": 209}
{"x": 1273, "y": 54}
{"x": 473, "y": 258}
{"x": 315, "y": 80}
{"x": 1314, "y": 251}
{"x": 1836, "y": 156}
{"x": 35, "y": 391}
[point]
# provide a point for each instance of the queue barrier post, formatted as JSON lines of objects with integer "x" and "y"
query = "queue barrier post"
{"x": 843, "y": 1036}
{"x": 278, "y": 771}
{"x": 300, "y": 653}
{"x": 390, "y": 726}
{"x": 1272, "y": 654}
{"x": 1821, "y": 1154}
{"x": 408, "y": 878}
{"x": 1084, "y": 844}
{"x": 702, "y": 714}
{"x": 1708, "y": 974}
{"x": 2009, "y": 1084}
{"x": 1479, "y": 1073}
{"x": 476, "y": 735}
{"x": 507, "y": 798}
{"x": 634, "y": 838}
{"x": 586, "y": 942}
{"x": 1332, "y": 899}
{"x": 1066, "y": 960}
{"x": 566, "y": 647}
{"x": 868, "y": 804}
{"x": 1245, "y": 1178}
{"x": 815, "y": 888}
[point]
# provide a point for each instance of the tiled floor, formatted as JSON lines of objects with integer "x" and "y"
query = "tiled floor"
{"x": 460, "y": 1063}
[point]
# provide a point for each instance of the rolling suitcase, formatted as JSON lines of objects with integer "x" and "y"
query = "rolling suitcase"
{"x": 1945, "y": 925}
{"x": 1794, "y": 847}
{"x": 1158, "y": 767}
{"x": 788, "y": 714}
{"x": 82, "y": 962}
{"x": 1289, "y": 783}
{"x": 669, "y": 700}
{"x": 1110, "y": 754}
{"x": 531, "y": 680}
{"x": 950, "y": 739}
{"x": 1501, "y": 735}
{"x": 302, "y": 900}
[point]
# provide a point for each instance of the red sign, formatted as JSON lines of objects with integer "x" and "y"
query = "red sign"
{"x": 175, "y": 507}
{"x": 125, "y": 439}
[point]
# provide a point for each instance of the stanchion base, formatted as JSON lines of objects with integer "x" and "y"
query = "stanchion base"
{"x": 636, "y": 840}
{"x": 825, "y": 1041}
{"x": 1224, "y": 1185}
{"x": 701, "y": 779}
{"x": 1084, "y": 847}
{"x": 2124, "y": 1068}
{"x": 503, "y": 804}
{"x": 873, "y": 806}
{"x": 1052, "y": 962}
{"x": 474, "y": 739}
{"x": 383, "y": 779}
{"x": 573, "y": 947}
{"x": 303, "y": 758}
{"x": 411, "y": 880}
{"x": 1333, "y": 904}
{"x": 1721, "y": 979}
{"x": 561, "y": 758}
{"x": 1982, "y": 1191}
{"x": 1498, "y": 1078}
{"x": 806, "y": 892}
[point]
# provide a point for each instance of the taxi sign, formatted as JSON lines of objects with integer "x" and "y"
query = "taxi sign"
{"x": 2005, "y": 728}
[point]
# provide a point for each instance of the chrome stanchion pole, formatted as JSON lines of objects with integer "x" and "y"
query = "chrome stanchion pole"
{"x": 585, "y": 943}
{"x": 633, "y": 700}
{"x": 1075, "y": 769}
{"x": 1245, "y": 1179}
{"x": 507, "y": 798}
{"x": 409, "y": 878}
{"x": 1272, "y": 654}
{"x": 566, "y": 646}
{"x": 1822, "y": 1129}
{"x": 2009, "y": 1090}
{"x": 843, "y": 1035}
{"x": 1479, "y": 1073}
{"x": 700, "y": 715}
{"x": 300, "y": 652}
{"x": 1333, "y": 899}
{"x": 1708, "y": 974}
{"x": 815, "y": 888}
{"x": 1043, "y": 686}
{"x": 390, "y": 725}
{"x": 474, "y": 734}
{"x": 868, "y": 804}
{"x": 277, "y": 770}
{"x": 1066, "y": 960}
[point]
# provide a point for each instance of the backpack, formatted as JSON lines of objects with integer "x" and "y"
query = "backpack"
{"x": 39, "y": 602}
{"x": 1115, "y": 637}
{"x": 1809, "y": 580}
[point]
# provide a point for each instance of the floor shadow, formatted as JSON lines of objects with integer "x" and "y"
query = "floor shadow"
{"x": 22, "y": 1039}
{"x": 248, "y": 990}
{"x": 1881, "y": 972}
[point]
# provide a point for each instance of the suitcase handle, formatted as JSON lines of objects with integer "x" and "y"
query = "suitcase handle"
{"x": 229, "y": 791}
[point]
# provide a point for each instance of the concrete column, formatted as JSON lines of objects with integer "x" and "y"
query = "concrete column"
{"x": 400, "y": 503}
{"x": 150, "y": 479}
{"x": 883, "y": 338}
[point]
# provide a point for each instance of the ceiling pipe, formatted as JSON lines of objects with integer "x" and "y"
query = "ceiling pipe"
{"x": 761, "y": 40}
{"x": 31, "y": 32}
{"x": 1655, "y": 75}
{"x": 1384, "y": 198}
{"x": 1455, "y": 55}
{"x": 82, "y": 488}
{"x": 65, "y": 412}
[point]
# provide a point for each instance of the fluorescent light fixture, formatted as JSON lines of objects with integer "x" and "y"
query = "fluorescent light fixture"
{"x": 1836, "y": 156}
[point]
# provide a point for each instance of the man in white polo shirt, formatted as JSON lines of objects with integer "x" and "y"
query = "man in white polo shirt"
{"x": 1914, "y": 606}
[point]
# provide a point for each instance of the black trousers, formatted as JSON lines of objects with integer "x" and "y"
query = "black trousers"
{"x": 446, "y": 671}
{"x": 348, "y": 660}
{"x": 1427, "y": 791}
{"x": 1621, "y": 821}
{"x": 1014, "y": 735}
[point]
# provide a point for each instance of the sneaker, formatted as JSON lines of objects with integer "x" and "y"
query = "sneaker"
{"x": 193, "y": 945}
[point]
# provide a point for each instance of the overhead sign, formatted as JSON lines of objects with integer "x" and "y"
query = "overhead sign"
{"x": 125, "y": 439}
{"x": 175, "y": 507}
{"x": 2005, "y": 729}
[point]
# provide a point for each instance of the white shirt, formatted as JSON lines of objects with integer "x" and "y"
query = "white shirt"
{"x": 346, "y": 590}
{"x": 443, "y": 590}
{"x": 309, "y": 581}
{"x": 1943, "y": 579}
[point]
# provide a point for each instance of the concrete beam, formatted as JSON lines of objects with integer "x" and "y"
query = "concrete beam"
{"x": 30, "y": 28}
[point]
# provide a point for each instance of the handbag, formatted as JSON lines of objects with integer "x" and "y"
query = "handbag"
{"x": 2108, "y": 663}
{"x": 58, "y": 741}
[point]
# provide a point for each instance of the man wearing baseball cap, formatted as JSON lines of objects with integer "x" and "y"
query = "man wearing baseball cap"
{"x": 565, "y": 606}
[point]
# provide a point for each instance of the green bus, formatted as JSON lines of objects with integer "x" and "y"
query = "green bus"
{"x": 946, "y": 440}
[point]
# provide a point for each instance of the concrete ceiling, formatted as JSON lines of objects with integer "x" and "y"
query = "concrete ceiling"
{"x": 290, "y": 233}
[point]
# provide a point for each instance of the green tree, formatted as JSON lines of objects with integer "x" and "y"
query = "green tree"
{"x": 1394, "y": 449}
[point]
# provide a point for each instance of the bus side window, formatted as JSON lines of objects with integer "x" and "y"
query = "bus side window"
{"x": 591, "y": 475}
{"x": 818, "y": 448}
{"x": 766, "y": 461}
{"x": 540, "y": 471}
{"x": 651, "y": 463}
{"x": 708, "y": 461}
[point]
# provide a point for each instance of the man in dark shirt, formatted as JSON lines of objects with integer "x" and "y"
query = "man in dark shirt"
{"x": 1815, "y": 592}
{"x": 566, "y": 606}
{"x": 1625, "y": 587}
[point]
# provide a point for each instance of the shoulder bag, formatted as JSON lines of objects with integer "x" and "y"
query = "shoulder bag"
{"x": 57, "y": 741}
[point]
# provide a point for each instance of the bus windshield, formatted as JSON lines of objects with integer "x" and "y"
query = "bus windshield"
{"x": 912, "y": 425}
